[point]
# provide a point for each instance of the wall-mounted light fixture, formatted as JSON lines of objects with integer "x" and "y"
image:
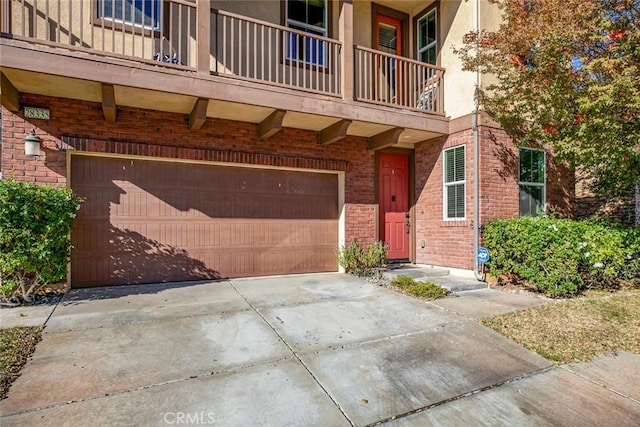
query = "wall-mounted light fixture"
{"x": 32, "y": 144}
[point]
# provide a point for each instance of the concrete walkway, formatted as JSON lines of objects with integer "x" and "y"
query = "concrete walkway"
{"x": 322, "y": 349}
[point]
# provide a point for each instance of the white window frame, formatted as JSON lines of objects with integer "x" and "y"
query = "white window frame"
{"x": 447, "y": 185}
{"x": 542, "y": 184}
{"x": 291, "y": 52}
{"x": 310, "y": 28}
{"x": 434, "y": 43}
{"x": 101, "y": 14}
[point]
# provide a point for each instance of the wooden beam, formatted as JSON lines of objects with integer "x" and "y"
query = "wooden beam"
{"x": 334, "y": 133}
{"x": 271, "y": 125}
{"x": 385, "y": 139}
{"x": 108, "y": 102}
{"x": 9, "y": 94}
{"x": 198, "y": 114}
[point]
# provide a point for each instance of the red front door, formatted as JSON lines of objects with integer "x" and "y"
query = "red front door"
{"x": 394, "y": 204}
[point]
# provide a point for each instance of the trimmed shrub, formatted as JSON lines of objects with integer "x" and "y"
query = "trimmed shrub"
{"x": 356, "y": 261}
{"x": 424, "y": 289}
{"x": 562, "y": 257}
{"x": 35, "y": 223}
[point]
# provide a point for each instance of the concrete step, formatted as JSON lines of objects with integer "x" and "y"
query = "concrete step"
{"x": 416, "y": 272}
{"x": 457, "y": 284}
{"x": 439, "y": 276}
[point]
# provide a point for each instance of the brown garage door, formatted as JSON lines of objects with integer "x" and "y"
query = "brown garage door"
{"x": 148, "y": 221}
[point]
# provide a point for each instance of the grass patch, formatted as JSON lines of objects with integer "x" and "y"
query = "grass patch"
{"x": 16, "y": 345}
{"x": 575, "y": 330}
{"x": 427, "y": 290}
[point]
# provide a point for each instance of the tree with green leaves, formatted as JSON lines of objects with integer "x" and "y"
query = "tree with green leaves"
{"x": 567, "y": 76}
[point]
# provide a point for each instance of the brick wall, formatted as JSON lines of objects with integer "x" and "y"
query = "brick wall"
{"x": 447, "y": 243}
{"x": 137, "y": 127}
{"x": 499, "y": 165}
{"x": 561, "y": 182}
{"x": 450, "y": 242}
{"x": 622, "y": 209}
{"x": 499, "y": 174}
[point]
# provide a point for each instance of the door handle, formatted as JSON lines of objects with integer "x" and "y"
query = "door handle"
{"x": 407, "y": 222}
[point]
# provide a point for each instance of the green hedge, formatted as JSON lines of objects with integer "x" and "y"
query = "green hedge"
{"x": 35, "y": 223}
{"x": 562, "y": 257}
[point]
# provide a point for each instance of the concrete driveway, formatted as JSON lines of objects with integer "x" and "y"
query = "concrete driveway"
{"x": 323, "y": 349}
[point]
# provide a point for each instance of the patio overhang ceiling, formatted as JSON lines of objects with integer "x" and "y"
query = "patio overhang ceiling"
{"x": 9, "y": 94}
{"x": 407, "y": 6}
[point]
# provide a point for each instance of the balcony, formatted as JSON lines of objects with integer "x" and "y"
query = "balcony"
{"x": 216, "y": 45}
{"x": 393, "y": 80}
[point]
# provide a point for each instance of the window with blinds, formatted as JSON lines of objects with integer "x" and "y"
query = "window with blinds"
{"x": 454, "y": 183}
{"x": 388, "y": 38}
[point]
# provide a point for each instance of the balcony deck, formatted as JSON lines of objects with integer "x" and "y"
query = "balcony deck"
{"x": 245, "y": 68}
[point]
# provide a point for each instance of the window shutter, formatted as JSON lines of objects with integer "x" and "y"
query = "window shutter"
{"x": 454, "y": 161}
{"x": 459, "y": 164}
{"x": 455, "y": 201}
{"x": 450, "y": 165}
{"x": 454, "y": 182}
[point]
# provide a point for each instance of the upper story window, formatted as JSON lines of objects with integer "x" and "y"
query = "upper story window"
{"x": 310, "y": 16}
{"x": 532, "y": 182}
{"x": 454, "y": 183}
{"x": 140, "y": 13}
{"x": 427, "y": 27}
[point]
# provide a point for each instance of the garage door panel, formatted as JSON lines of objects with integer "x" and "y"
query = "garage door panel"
{"x": 128, "y": 257}
{"x": 149, "y": 221}
{"x": 249, "y": 204}
{"x": 276, "y": 261}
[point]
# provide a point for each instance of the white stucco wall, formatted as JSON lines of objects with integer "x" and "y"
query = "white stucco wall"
{"x": 257, "y": 9}
{"x": 362, "y": 31}
{"x": 490, "y": 19}
{"x": 456, "y": 20}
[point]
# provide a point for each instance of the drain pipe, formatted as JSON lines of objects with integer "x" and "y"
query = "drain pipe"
{"x": 476, "y": 202}
{"x": 476, "y": 163}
